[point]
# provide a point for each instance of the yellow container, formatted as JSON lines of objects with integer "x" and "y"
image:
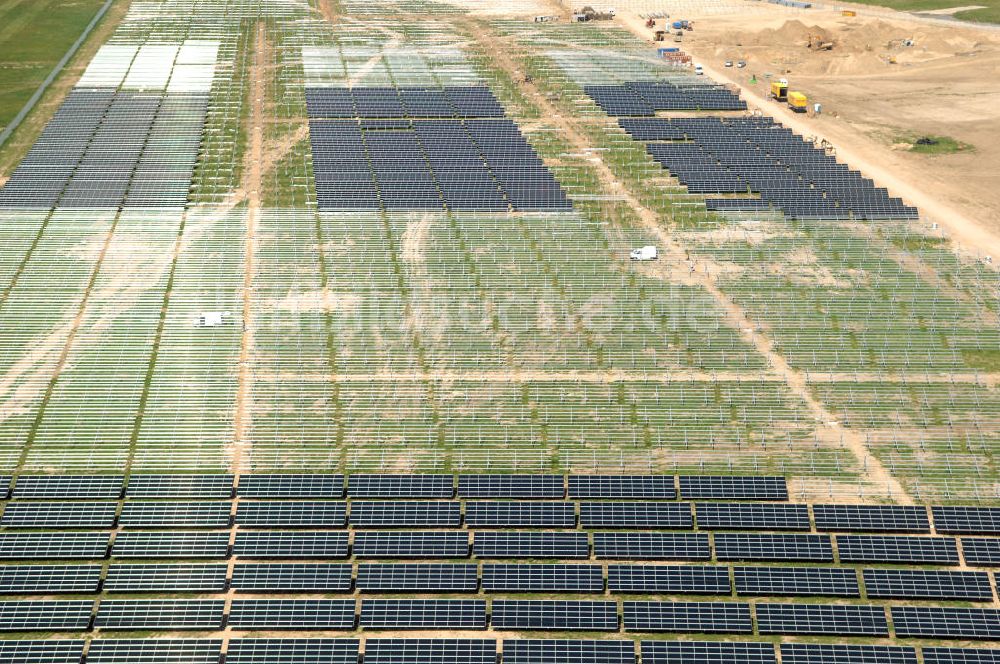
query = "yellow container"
{"x": 848, "y": 12}
{"x": 779, "y": 90}
{"x": 798, "y": 101}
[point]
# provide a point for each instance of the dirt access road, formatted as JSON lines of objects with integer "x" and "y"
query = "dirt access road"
{"x": 948, "y": 83}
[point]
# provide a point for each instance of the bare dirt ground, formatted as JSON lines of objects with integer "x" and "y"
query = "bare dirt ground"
{"x": 253, "y": 177}
{"x": 947, "y": 83}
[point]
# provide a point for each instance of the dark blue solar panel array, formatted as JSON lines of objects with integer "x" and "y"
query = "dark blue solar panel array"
{"x": 713, "y": 155}
{"x": 107, "y": 148}
{"x": 424, "y": 148}
{"x": 646, "y": 97}
{"x": 448, "y": 552}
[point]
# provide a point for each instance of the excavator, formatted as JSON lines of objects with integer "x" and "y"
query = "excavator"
{"x": 817, "y": 43}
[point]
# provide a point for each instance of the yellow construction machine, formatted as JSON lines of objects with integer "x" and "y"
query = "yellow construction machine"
{"x": 817, "y": 43}
{"x": 779, "y": 89}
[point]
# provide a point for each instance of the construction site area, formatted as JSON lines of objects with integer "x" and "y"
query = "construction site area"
{"x": 464, "y": 332}
{"x": 407, "y": 235}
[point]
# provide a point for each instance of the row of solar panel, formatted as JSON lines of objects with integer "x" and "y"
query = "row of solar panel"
{"x": 501, "y": 614}
{"x": 486, "y": 513}
{"x": 644, "y": 98}
{"x": 405, "y": 102}
{"x": 304, "y": 544}
{"x": 395, "y": 486}
{"x": 465, "y": 578}
{"x": 472, "y": 651}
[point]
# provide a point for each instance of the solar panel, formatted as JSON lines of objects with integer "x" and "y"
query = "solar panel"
{"x": 981, "y": 551}
{"x": 706, "y": 652}
{"x": 897, "y": 549}
{"x": 811, "y": 581}
{"x": 489, "y": 544}
{"x": 423, "y": 613}
{"x": 5, "y": 481}
{"x": 292, "y": 651}
{"x": 160, "y": 515}
{"x": 69, "y": 486}
{"x": 752, "y": 516}
{"x": 270, "y": 514}
{"x": 59, "y": 515}
{"x": 812, "y": 653}
{"x": 415, "y": 544}
{"x": 651, "y": 546}
{"x": 543, "y": 578}
{"x": 171, "y": 544}
{"x": 961, "y": 655}
{"x": 48, "y": 651}
{"x": 503, "y": 513}
{"x": 292, "y": 577}
{"x": 401, "y": 486}
{"x": 776, "y": 547}
{"x": 872, "y": 518}
{"x": 967, "y": 520}
{"x": 160, "y": 614}
{"x": 292, "y": 613}
{"x": 154, "y": 651}
{"x": 426, "y": 577}
{"x": 688, "y": 617}
{"x": 430, "y": 651}
{"x": 554, "y": 614}
{"x": 635, "y": 515}
{"x": 822, "y": 619}
{"x": 166, "y": 578}
{"x": 291, "y": 544}
{"x": 366, "y": 513}
{"x": 204, "y": 487}
{"x": 53, "y": 546}
{"x": 62, "y": 616}
{"x": 928, "y": 584}
{"x": 936, "y": 622}
{"x": 49, "y": 579}
{"x": 291, "y": 486}
{"x": 622, "y": 486}
{"x": 510, "y": 486}
{"x": 694, "y": 579}
{"x": 567, "y": 651}
{"x": 701, "y": 487}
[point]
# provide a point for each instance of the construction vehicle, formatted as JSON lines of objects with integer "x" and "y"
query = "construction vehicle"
{"x": 798, "y": 102}
{"x": 659, "y": 35}
{"x": 651, "y": 23}
{"x": 816, "y": 43}
{"x": 779, "y": 89}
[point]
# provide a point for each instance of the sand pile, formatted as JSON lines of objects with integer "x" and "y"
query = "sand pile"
{"x": 858, "y": 46}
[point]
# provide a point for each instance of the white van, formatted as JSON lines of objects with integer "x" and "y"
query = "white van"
{"x": 647, "y": 253}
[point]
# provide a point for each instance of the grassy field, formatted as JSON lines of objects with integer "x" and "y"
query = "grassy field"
{"x": 933, "y": 144}
{"x": 989, "y": 13}
{"x": 33, "y": 36}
